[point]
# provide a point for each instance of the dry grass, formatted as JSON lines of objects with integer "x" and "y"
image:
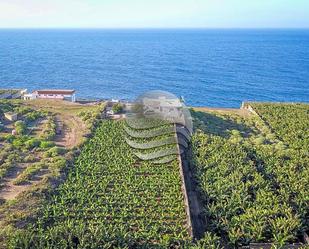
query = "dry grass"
{"x": 229, "y": 111}
{"x": 59, "y": 106}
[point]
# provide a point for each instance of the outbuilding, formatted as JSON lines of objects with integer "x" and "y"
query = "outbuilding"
{"x": 68, "y": 95}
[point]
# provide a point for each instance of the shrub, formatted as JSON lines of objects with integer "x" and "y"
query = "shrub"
{"x": 55, "y": 151}
{"x": 20, "y": 127}
{"x": 2, "y": 138}
{"x": 10, "y": 138}
{"x": 22, "y": 110}
{"x": 117, "y": 108}
{"x": 13, "y": 157}
{"x": 18, "y": 143}
{"x": 29, "y": 159}
{"x": 46, "y": 144}
{"x": 32, "y": 143}
{"x": 57, "y": 164}
{"x": 49, "y": 131}
{"x": 28, "y": 173}
{"x": 32, "y": 116}
{"x": 259, "y": 140}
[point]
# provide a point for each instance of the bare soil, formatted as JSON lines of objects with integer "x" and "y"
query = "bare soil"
{"x": 72, "y": 134}
{"x": 72, "y": 131}
{"x": 11, "y": 191}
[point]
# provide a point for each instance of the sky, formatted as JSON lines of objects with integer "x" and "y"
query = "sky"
{"x": 154, "y": 14}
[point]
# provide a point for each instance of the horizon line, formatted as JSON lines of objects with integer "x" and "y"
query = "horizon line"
{"x": 167, "y": 28}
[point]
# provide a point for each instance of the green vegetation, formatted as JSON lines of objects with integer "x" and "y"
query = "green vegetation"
{"x": 28, "y": 173}
{"x": 7, "y": 106}
{"x": 20, "y": 127}
{"x": 117, "y": 108}
{"x": 49, "y": 130}
{"x": 31, "y": 158}
{"x": 252, "y": 174}
{"x": 34, "y": 115}
{"x": 91, "y": 117}
{"x": 110, "y": 199}
{"x": 140, "y": 136}
{"x": 8, "y": 158}
{"x": 254, "y": 186}
{"x": 290, "y": 122}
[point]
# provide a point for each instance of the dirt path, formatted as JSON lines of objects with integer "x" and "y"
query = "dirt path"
{"x": 71, "y": 132}
{"x": 71, "y": 135}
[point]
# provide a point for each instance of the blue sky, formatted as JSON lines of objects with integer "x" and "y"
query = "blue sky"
{"x": 154, "y": 13}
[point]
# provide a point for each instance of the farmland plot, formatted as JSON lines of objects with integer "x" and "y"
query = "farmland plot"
{"x": 254, "y": 182}
{"x": 111, "y": 199}
{"x": 32, "y": 162}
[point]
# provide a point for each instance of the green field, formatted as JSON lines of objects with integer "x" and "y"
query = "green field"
{"x": 251, "y": 172}
{"x": 111, "y": 199}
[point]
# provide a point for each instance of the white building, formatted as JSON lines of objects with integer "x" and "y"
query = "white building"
{"x": 68, "y": 95}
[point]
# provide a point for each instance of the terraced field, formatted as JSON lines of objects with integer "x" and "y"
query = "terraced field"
{"x": 111, "y": 199}
{"x": 253, "y": 174}
{"x": 32, "y": 159}
{"x": 290, "y": 122}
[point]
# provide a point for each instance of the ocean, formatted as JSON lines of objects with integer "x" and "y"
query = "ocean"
{"x": 217, "y": 68}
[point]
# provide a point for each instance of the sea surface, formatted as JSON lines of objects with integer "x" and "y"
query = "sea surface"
{"x": 207, "y": 67}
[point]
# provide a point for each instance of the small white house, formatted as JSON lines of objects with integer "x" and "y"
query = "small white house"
{"x": 68, "y": 95}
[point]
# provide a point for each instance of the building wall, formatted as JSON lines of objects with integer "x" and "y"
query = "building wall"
{"x": 49, "y": 96}
{"x": 57, "y": 96}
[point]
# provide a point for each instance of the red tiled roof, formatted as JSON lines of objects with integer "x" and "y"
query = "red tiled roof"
{"x": 54, "y": 91}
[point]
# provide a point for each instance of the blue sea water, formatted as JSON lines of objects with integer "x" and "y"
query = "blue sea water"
{"x": 207, "y": 67}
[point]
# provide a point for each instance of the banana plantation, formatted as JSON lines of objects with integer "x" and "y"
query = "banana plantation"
{"x": 253, "y": 174}
{"x": 112, "y": 200}
{"x": 124, "y": 189}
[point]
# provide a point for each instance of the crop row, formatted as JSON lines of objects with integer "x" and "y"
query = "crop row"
{"x": 111, "y": 199}
{"x": 289, "y": 121}
{"x": 254, "y": 189}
